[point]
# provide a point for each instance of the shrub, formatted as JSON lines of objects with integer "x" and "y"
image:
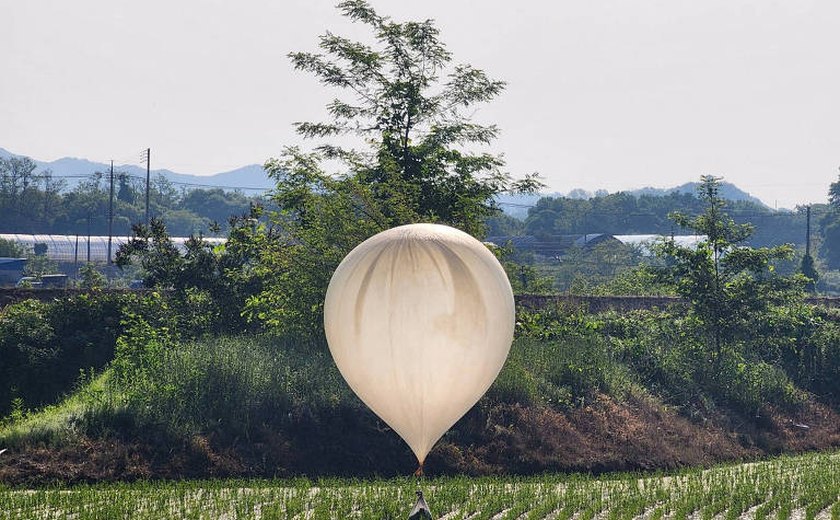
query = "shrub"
{"x": 29, "y": 354}
{"x": 750, "y": 386}
{"x": 43, "y": 346}
{"x": 91, "y": 278}
{"x": 560, "y": 372}
{"x": 515, "y": 384}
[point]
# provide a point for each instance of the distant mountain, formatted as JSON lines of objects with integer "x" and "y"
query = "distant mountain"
{"x": 727, "y": 190}
{"x": 251, "y": 178}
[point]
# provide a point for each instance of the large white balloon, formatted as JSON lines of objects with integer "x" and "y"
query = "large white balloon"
{"x": 419, "y": 320}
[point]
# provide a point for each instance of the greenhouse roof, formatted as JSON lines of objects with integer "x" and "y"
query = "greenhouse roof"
{"x": 74, "y": 248}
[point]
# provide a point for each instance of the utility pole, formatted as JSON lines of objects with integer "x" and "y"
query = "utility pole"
{"x": 46, "y": 197}
{"x": 88, "y": 233}
{"x": 111, "y": 212}
{"x": 808, "y": 230}
{"x": 148, "y": 172}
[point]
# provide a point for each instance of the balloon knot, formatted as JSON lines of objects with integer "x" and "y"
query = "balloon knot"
{"x": 419, "y": 472}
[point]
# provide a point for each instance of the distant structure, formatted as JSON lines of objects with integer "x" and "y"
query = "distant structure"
{"x": 75, "y": 249}
{"x": 557, "y": 246}
{"x": 644, "y": 242}
{"x": 11, "y": 270}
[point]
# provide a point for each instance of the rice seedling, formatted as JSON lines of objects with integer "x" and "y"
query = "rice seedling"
{"x": 806, "y": 486}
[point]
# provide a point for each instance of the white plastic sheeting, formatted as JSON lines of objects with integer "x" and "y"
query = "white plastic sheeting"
{"x": 75, "y": 248}
{"x": 419, "y": 320}
{"x": 645, "y": 242}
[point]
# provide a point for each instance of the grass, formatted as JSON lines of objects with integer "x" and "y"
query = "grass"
{"x": 793, "y": 486}
{"x": 55, "y": 425}
{"x": 267, "y": 406}
{"x": 237, "y": 384}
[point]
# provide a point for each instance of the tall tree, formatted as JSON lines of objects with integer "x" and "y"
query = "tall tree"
{"x": 730, "y": 286}
{"x": 830, "y": 248}
{"x": 10, "y": 249}
{"x": 125, "y": 191}
{"x": 834, "y": 194}
{"x": 410, "y": 107}
{"x": 19, "y": 192}
{"x": 809, "y": 270}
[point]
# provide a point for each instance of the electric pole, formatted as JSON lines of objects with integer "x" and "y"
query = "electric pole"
{"x": 88, "y": 233}
{"x": 148, "y": 171}
{"x": 808, "y": 230}
{"x": 111, "y": 212}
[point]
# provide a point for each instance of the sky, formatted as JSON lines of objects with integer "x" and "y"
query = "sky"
{"x": 601, "y": 94}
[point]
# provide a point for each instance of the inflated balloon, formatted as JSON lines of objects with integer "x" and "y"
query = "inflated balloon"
{"x": 419, "y": 320}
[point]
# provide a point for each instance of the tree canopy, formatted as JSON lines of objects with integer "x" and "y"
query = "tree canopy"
{"x": 33, "y": 201}
{"x": 410, "y": 108}
{"x": 730, "y": 286}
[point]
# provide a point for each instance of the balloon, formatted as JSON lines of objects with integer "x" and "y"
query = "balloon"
{"x": 419, "y": 320}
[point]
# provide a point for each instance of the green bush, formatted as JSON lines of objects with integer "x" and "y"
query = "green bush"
{"x": 820, "y": 359}
{"x": 666, "y": 353}
{"x": 560, "y": 372}
{"x": 28, "y": 352}
{"x": 804, "y": 341}
{"x": 663, "y": 350}
{"x": 44, "y": 345}
{"x": 749, "y": 386}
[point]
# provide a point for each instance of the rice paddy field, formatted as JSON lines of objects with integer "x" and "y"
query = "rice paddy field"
{"x": 800, "y": 487}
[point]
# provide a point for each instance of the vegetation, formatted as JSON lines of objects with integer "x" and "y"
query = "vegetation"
{"x": 408, "y": 105}
{"x": 10, "y": 249}
{"x": 286, "y": 396}
{"x": 729, "y": 286}
{"x": 34, "y": 201}
{"x": 830, "y": 226}
{"x": 622, "y": 213}
{"x": 222, "y": 368}
{"x": 45, "y": 346}
{"x": 787, "y": 487}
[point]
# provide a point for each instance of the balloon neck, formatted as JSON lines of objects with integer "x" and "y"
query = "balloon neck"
{"x": 419, "y": 472}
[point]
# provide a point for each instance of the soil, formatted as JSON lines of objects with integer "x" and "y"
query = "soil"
{"x": 605, "y": 435}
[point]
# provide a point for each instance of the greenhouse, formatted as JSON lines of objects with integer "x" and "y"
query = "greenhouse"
{"x": 83, "y": 248}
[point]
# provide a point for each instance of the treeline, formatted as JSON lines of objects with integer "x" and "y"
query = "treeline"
{"x": 623, "y": 213}
{"x": 33, "y": 201}
{"x": 37, "y": 202}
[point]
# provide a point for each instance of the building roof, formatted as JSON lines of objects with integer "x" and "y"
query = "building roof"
{"x": 592, "y": 239}
{"x": 7, "y": 263}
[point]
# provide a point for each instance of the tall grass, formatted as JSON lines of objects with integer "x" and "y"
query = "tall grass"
{"x": 227, "y": 385}
{"x": 234, "y": 385}
{"x": 97, "y": 402}
{"x": 560, "y": 372}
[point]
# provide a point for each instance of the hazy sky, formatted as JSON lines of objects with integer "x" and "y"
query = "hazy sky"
{"x": 601, "y": 94}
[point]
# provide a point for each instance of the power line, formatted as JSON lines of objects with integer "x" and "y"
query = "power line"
{"x": 177, "y": 183}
